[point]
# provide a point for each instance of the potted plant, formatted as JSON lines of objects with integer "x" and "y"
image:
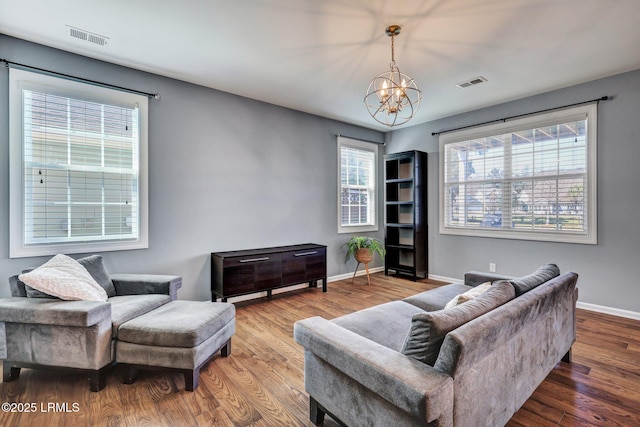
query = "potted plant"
{"x": 363, "y": 248}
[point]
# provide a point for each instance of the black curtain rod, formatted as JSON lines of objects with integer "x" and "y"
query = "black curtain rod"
{"x": 603, "y": 98}
{"x": 150, "y": 95}
{"x": 360, "y": 139}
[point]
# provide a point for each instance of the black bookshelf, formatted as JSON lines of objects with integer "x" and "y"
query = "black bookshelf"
{"x": 406, "y": 213}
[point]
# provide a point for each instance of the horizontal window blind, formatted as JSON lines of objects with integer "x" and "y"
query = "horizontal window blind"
{"x": 532, "y": 182}
{"x": 357, "y": 185}
{"x": 81, "y": 169}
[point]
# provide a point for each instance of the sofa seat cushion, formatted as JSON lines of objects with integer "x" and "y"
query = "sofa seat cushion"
{"x": 386, "y": 324}
{"x": 436, "y": 299}
{"x": 538, "y": 277}
{"x": 428, "y": 329}
{"x": 127, "y": 307}
{"x": 179, "y": 323}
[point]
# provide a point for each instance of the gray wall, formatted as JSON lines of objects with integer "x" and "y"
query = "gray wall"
{"x": 228, "y": 173}
{"x": 609, "y": 271}
{"x": 225, "y": 173}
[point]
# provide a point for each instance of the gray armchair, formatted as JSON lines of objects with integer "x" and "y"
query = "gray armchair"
{"x": 39, "y": 332}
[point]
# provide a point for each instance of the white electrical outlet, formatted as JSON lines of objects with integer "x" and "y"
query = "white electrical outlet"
{"x": 492, "y": 267}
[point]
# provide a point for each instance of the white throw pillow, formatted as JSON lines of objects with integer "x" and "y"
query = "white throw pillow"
{"x": 65, "y": 278}
{"x": 469, "y": 295}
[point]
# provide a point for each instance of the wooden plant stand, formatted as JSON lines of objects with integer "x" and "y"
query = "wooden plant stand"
{"x": 363, "y": 256}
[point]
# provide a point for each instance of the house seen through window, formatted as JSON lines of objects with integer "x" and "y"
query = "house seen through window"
{"x": 529, "y": 179}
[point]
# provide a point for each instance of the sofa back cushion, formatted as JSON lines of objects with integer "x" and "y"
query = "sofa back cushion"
{"x": 93, "y": 264}
{"x": 428, "y": 329}
{"x": 65, "y": 278}
{"x": 17, "y": 286}
{"x": 541, "y": 275}
{"x": 98, "y": 271}
{"x": 28, "y": 290}
{"x": 34, "y": 293}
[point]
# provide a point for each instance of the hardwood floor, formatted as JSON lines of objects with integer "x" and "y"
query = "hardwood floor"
{"x": 261, "y": 383}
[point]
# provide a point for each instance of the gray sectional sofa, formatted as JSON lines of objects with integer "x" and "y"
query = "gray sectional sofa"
{"x": 39, "y": 331}
{"x": 413, "y": 363}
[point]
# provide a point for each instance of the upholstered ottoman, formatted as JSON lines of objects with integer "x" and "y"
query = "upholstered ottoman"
{"x": 180, "y": 336}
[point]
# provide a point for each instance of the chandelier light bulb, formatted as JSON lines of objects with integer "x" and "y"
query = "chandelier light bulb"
{"x": 383, "y": 92}
{"x": 392, "y": 97}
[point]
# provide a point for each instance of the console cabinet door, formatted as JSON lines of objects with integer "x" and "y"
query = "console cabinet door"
{"x": 303, "y": 266}
{"x": 317, "y": 266}
{"x": 237, "y": 277}
{"x": 251, "y": 273}
{"x": 293, "y": 269}
{"x": 268, "y": 272}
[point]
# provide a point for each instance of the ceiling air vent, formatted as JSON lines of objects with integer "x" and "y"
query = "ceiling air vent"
{"x": 472, "y": 82}
{"x": 87, "y": 36}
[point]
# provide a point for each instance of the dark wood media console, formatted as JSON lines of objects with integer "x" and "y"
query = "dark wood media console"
{"x": 236, "y": 273}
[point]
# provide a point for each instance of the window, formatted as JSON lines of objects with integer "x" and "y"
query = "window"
{"x": 78, "y": 167}
{"x": 533, "y": 178}
{"x": 357, "y": 168}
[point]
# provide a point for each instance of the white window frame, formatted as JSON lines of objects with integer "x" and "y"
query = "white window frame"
{"x": 372, "y": 188}
{"x": 588, "y": 112}
{"x": 19, "y": 80}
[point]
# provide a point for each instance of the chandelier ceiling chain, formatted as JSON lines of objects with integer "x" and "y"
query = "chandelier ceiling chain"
{"x": 393, "y": 52}
{"x": 392, "y": 97}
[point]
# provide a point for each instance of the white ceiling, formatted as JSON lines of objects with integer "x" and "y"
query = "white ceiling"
{"x": 319, "y": 56}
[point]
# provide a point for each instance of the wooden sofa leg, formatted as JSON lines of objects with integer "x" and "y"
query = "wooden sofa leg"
{"x": 225, "y": 351}
{"x": 130, "y": 375}
{"x": 191, "y": 379}
{"x": 9, "y": 373}
{"x": 98, "y": 379}
{"x": 316, "y": 414}
{"x": 567, "y": 357}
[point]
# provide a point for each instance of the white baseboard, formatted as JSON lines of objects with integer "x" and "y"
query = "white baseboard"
{"x": 583, "y": 305}
{"x": 445, "y": 279}
{"x": 609, "y": 310}
{"x": 350, "y": 275}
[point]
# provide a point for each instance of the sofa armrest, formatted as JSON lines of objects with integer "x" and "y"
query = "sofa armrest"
{"x": 53, "y": 312}
{"x": 404, "y": 382}
{"x": 141, "y": 284}
{"x": 475, "y": 278}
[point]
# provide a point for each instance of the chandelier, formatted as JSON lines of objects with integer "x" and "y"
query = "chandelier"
{"x": 392, "y": 97}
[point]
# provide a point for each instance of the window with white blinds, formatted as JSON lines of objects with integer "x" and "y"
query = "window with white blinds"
{"x": 357, "y": 166}
{"x": 532, "y": 178}
{"x": 78, "y": 171}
